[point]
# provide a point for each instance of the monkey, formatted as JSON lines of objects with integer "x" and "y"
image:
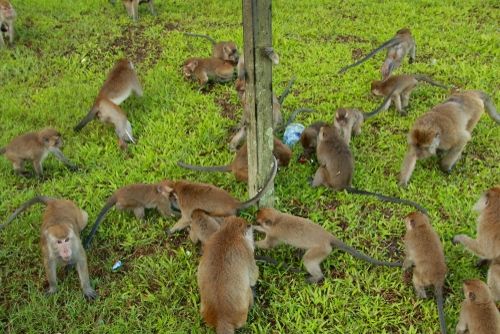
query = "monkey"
{"x": 204, "y": 70}
{"x": 309, "y": 139}
{"x": 478, "y": 314}
{"x": 7, "y": 17}
{"x": 189, "y": 196}
{"x": 399, "y": 88}
{"x": 203, "y": 226}
{"x": 337, "y": 167}
{"x": 302, "y": 233}
{"x": 397, "y": 48}
{"x": 120, "y": 83}
{"x": 424, "y": 252}
{"x": 447, "y": 127}
{"x": 224, "y": 50}
{"x": 226, "y": 276}
{"x": 136, "y": 197}
{"x": 35, "y": 147}
{"x": 487, "y": 242}
{"x": 132, "y": 7}
{"x": 60, "y": 241}
{"x": 239, "y": 166}
{"x": 494, "y": 279}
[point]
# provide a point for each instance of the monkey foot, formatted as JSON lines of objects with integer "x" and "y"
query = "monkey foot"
{"x": 315, "y": 280}
{"x": 90, "y": 294}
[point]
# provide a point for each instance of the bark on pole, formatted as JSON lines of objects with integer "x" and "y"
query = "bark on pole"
{"x": 257, "y": 34}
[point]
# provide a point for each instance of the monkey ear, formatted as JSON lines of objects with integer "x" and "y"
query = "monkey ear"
{"x": 472, "y": 296}
{"x": 413, "y": 223}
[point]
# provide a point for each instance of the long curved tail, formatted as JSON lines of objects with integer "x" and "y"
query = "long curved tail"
{"x": 386, "y": 44}
{"x": 201, "y": 35}
{"x": 109, "y": 204}
{"x": 489, "y": 106}
{"x": 256, "y": 198}
{"x": 438, "y": 291}
{"x": 357, "y": 254}
{"x": 388, "y": 199}
{"x": 294, "y": 114}
{"x": 287, "y": 90}
{"x": 428, "y": 79}
{"x": 90, "y": 116}
{"x": 380, "y": 108}
{"x": 225, "y": 168}
{"x": 24, "y": 206}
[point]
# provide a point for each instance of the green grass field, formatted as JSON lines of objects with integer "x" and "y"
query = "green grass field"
{"x": 62, "y": 53}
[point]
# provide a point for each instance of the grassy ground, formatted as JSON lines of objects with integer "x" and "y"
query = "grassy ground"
{"x": 63, "y": 51}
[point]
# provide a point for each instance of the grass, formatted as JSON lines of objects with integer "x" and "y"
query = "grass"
{"x": 63, "y": 51}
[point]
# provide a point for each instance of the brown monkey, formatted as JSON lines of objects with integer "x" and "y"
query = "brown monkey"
{"x": 424, "y": 252}
{"x": 479, "y": 314}
{"x": 204, "y": 70}
{"x": 35, "y": 147}
{"x": 226, "y": 276}
{"x": 203, "y": 226}
{"x": 399, "y": 88}
{"x": 188, "y": 197}
{"x": 60, "y": 239}
{"x": 397, "y": 48}
{"x": 487, "y": 242}
{"x": 309, "y": 139}
{"x": 132, "y": 7}
{"x": 494, "y": 279}
{"x": 136, "y": 197}
{"x": 302, "y": 233}
{"x": 7, "y": 18}
{"x": 224, "y": 50}
{"x": 121, "y": 82}
{"x": 446, "y": 127}
{"x": 239, "y": 166}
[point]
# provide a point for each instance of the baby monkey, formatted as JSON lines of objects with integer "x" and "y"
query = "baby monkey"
{"x": 424, "y": 253}
{"x": 224, "y": 50}
{"x": 60, "y": 241}
{"x": 479, "y": 313}
{"x": 398, "y": 88}
{"x": 35, "y": 147}
{"x": 448, "y": 128}
{"x": 204, "y": 70}
{"x": 132, "y": 7}
{"x": 303, "y": 233}
{"x": 397, "y": 48}
{"x": 7, "y": 18}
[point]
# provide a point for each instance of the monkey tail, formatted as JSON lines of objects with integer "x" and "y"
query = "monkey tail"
{"x": 269, "y": 181}
{"x": 357, "y": 254}
{"x": 489, "y": 106}
{"x": 386, "y": 44}
{"x": 24, "y": 206}
{"x": 420, "y": 77}
{"x": 3, "y": 150}
{"x": 225, "y": 168}
{"x": 388, "y": 199}
{"x": 90, "y": 115}
{"x": 287, "y": 90}
{"x": 294, "y": 114}
{"x": 200, "y": 35}
{"x": 109, "y": 204}
{"x": 379, "y": 108}
{"x": 438, "y": 291}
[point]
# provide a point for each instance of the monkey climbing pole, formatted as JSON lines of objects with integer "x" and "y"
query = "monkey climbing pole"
{"x": 257, "y": 34}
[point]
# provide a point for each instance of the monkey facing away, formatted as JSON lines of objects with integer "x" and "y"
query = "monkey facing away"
{"x": 136, "y": 197}
{"x": 304, "y": 234}
{"x": 239, "y": 166}
{"x": 446, "y": 127}
{"x": 397, "y": 48}
{"x": 203, "y": 226}
{"x": 478, "y": 314}
{"x": 224, "y": 50}
{"x": 132, "y": 7}
{"x": 121, "y": 82}
{"x": 399, "y": 88}
{"x": 7, "y": 18}
{"x": 188, "y": 197}
{"x": 226, "y": 275}
{"x": 60, "y": 239}
{"x": 424, "y": 252}
{"x": 35, "y": 147}
{"x": 309, "y": 139}
{"x": 487, "y": 242}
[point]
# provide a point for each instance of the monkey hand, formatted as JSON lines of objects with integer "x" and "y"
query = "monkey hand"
{"x": 90, "y": 294}
{"x": 403, "y": 183}
{"x": 458, "y": 239}
{"x": 51, "y": 290}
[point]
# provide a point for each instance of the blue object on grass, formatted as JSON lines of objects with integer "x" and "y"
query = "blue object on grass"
{"x": 292, "y": 133}
{"x": 117, "y": 265}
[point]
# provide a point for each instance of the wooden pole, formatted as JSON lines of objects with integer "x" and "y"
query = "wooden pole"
{"x": 257, "y": 34}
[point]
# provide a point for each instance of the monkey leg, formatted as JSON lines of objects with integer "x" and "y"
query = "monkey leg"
{"x": 419, "y": 287}
{"x": 83, "y": 274}
{"x": 312, "y": 260}
{"x": 405, "y": 98}
{"x": 237, "y": 138}
{"x": 357, "y": 128}
{"x": 397, "y": 104}
{"x": 193, "y": 236}
{"x": 50, "y": 272}
{"x": 452, "y": 156}
{"x": 471, "y": 244}
{"x": 407, "y": 263}
{"x": 462, "y": 323}
{"x": 319, "y": 177}
{"x": 494, "y": 283}
{"x": 11, "y": 33}
{"x": 139, "y": 212}
{"x": 152, "y": 8}
{"x": 37, "y": 165}
{"x": 2, "y": 43}
{"x": 85, "y": 219}
{"x": 408, "y": 167}
{"x": 18, "y": 166}
{"x": 267, "y": 243}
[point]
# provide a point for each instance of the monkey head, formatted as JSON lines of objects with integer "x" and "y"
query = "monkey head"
{"x": 403, "y": 31}
{"x": 230, "y": 52}
{"x": 7, "y": 12}
{"x": 490, "y": 199}
{"x": 415, "y": 220}
{"x": 375, "y": 87}
{"x": 476, "y": 291}
{"x": 326, "y": 133}
{"x": 424, "y": 142}
{"x": 60, "y": 239}
{"x": 189, "y": 67}
{"x": 50, "y": 138}
{"x": 239, "y": 85}
{"x": 265, "y": 218}
{"x": 239, "y": 226}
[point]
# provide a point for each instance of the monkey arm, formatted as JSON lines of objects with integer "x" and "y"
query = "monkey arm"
{"x": 408, "y": 167}
{"x": 61, "y": 157}
{"x": 471, "y": 244}
{"x": 83, "y": 274}
{"x": 50, "y": 270}
{"x": 462, "y": 322}
{"x": 407, "y": 263}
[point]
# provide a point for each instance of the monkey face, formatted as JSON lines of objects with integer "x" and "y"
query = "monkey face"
{"x": 476, "y": 291}
{"x": 231, "y": 52}
{"x": 7, "y": 12}
{"x": 188, "y": 68}
{"x": 60, "y": 241}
